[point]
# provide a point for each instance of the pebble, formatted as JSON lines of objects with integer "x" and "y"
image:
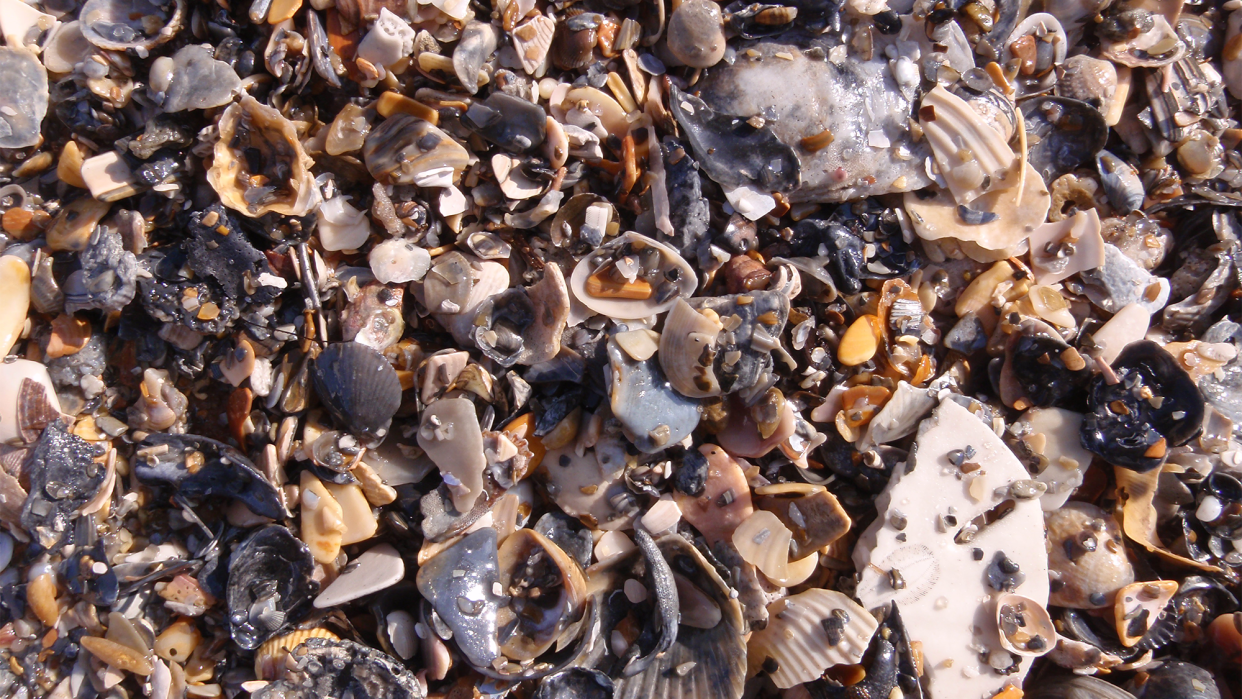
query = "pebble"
{"x": 695, "y": 34}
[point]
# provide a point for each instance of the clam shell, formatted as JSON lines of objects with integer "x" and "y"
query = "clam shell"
{"x": 360, "y": 389}
{"x": 546, "y": 613}
{"x": 688, "y": 350}
{"x": 117, "y": 25}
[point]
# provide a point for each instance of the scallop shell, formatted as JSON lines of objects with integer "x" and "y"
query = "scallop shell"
{"x": 973, "y": 156}
{"x": 531, "y": 40}
{"x": 809, "y": 633}
{"x": 244, "y": 127}
{"x": 359, "y": 387}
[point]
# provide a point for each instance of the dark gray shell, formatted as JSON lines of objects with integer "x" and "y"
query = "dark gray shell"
{"x": 689, "y": 210}
{"x": 458, "y": 582}
{"x": 79, "y": 571}
{"x": 1174, "y": 678}
{"x": 516, "y": 125}
{"x": 222, "y": 252}
{"x": 360, "y": 388}
{"x": 575, "y": 683}
{"x": 270, "y": 586}
{"x": 732, "y": 151}
{"x": 161, "y": 460}
{"x": 108, "y": 278}
{"x": 1075, "y": 687}
{"x": 1064, "y": 134}
{"x": 752, "y": 373}
{"x": 700, "y": 662}
{"x": 63, "y": 478}
{"x": 326, "y": 669}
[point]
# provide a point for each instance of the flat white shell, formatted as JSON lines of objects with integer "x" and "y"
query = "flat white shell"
{"x": 946, "y": 602}
{"x": 375, "y": 570}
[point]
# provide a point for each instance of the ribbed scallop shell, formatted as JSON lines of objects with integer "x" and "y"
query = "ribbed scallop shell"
{"x": 359, "y": 387}
{"x": 797, "y": 640}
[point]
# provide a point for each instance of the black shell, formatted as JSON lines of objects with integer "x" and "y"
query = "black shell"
{"x": 732, "y": 151}
{"x": 575, "y": 683}
{"x": 222, "y": 252}
{"x": 1122, "y": 425}
{"x": 80, "y": 576}
{"x": 360, "y": 388}
{"x": 1070, "y": 132}
{"x": 1174, "y": 678}
{"x": 270, "y": 586}
{"x": 225, "y": 471}
{"x": 327, "y": 669}
{"x": 1035, "y": 360}
{"x": 689, "y": 211}
{"x": 63, "y": 478}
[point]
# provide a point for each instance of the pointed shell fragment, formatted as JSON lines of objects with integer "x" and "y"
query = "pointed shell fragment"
{"x": 450, "y": 434}
{"x": 531, "y": 40}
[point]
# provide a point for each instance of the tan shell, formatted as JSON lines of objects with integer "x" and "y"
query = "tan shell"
{"x": 936, "y": 219}
{"x": 249, "y": 124}
{"x": 725, "y": 501}
{"x": 582, "y": 489}
{"x": 531, "y": 41}
{"x": 1138, "y": 606}
{"x": 686, "y": 350}
{"x": 632, "y": 308}
{"x": 545, "y": 616}
{"x": 973, "y": 156}
{"x": 323, "y": 522}
{"x": 797, "y": 640}
{"x": 1024, "y": 625}
{"x": 450, "y": 435}
{"x": 1086, "y": 557}
{"x": 763, "y": 541}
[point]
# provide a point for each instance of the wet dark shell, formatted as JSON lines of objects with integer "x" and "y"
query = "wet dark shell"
{"x": 516, "y": 125}
{"x": 689, "y": 211}
{"x": 215, "y": 468}
{"x": 732, "y": 151}
{"x": 1036, "y": 364}
{"x": 270, "y": 586}
{"x": 712, "y": 658}
{"x": 573, "y": 45}
{"x": 1075, "y": 686}
{"x": 1064, "y": 134}
{"x": 1174, "y": 678}
{"x": 567, "y": 533}
{"x": 360, "y": 388}
{"x": 326, "y": 669}
{"x": 63, "y": 477}
{"x": 575, "y": 683}
{"x": 79, "y": 571}
{"x": 222, "y": 252}
{"x": 1129, "y": 430}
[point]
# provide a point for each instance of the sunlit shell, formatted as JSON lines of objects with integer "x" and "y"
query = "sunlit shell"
{"x": 283, "y": 183}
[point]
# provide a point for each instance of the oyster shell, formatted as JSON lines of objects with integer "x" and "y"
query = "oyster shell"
{"x": 404, "y": 149}
{"x": 269, "y": 585}
{"x": 260, "y": 165}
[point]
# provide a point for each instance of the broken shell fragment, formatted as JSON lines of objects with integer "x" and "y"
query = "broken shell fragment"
{"x": 1086, "y": 556}
{"x": 1025, "y": 627}
{"x": 632, "y": 277}
{"x": 973, "y": 156}
{"x": 404, "y": 149}
{"x": 260, "y": 165}
{"x": 652, "y": 415}
{"x": 140, "y": 25}
{"x": 450, "y": 434}
{"x": 1139, "y": 607}
{"x": 24, "y": 100}
{"x": 688, "y": 350}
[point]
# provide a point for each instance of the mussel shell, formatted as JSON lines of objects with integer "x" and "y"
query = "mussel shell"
{"x": 270, "y": 586}
{"x": 1064, "y": 134}
{"x": 1175, "y": 678}
{"x": 328, "y": 669}
{"x": 80, "y": 574}
{"x": 1126, "y": 439}
{"x": 359, "y": 387}
{"x": 225, "y": 471}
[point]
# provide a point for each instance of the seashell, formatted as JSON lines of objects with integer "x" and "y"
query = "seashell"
{"x": 582, "y": 488}
{"x": 547, "y": 593}
{"x": 196, "y": 80}
{"x": 25, "y": 98}
{"x": 953, "y": 129}
{"x": 524, "y": 326}
{"x": 478, "y": 41}
{"x": 723, "y": 502}
{"x": 688, "y": 350}
{"x": 197, "y": 467}
{"x": 1121, "y": 182}
{"x": 449, "y": 433}
{"x": 488, "y": 279}
{"x": 575, "y": 683}
{"x": 269, "y": 585}
{"x": 1064, "y": 248}
{"x": 1177, "y": 678}
{"x": 22, "y": 25}
{"x": 695, "y": 34}
{"x": 18, "y": 381}
{"x": 1043, "y": 44}
{"x": 348, "y": 131}
{"x": 1025, "y": 627}
{"x": 448, "y": 284}
{"x": 531, "y": 40}
{"x": 602, "y": 283}
{"x": 1063, "y": 133}
{"x": 938, "y": 218}
{"x": 391, "y": 39}
{"x": 118, "y": 656}
{"x": 398, "y": 261}
{"x": 808, "y": 633}
{"x": 1120, "y": 281}
{"x": 270, "y": 658}
{"x": 1139, "y": 607}
{"x": 359, "y": 388}
{"x": 376, "y": 569}
{"x": 64, "y": 477}
{"x": 574, "y": 42}
{"x": 1051, "y": 435}
{"x": 15, "y": 287}
{"x": 73, "y": 226}
{"x": 374, "y": 317}
{"x": 178, "y": 641}
{"x": 652, "y": 415}
{"x": 341, "y": 226}
{"x": 933, "y": 561}
{"x": 1158, "y": 46}
{"x": 514, "y": 124}
{"x": 513, "y": 181}
{"x": 815, "y": 519}
{"x": 459, "y": 583}
{"x": 697, "y": 657}
{"x": 587, "y": 107}
{"x": 139, "y": 25}
{"x": 285, "y": 182}
{"x": 1093, "y": 81}
{"x": 1086, "y": 556}
{"x": 585, "y": 218}
{"x": 404, "y": 149}
{"x": 328, "y": 668}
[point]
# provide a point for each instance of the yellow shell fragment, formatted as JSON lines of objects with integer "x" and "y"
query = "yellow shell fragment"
{"x": 323, "y": 520}
{"x": 15, "y": 290}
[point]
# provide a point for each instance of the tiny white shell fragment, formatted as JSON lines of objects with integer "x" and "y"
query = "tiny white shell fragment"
{"x": 662, "y": 516}
{"x": 452, "y": 201}
{"x": 391, "y": 38}
{"x": 750, "y": 202}
{"x": 613, "y": 543}
{"x": 341, "y": 226}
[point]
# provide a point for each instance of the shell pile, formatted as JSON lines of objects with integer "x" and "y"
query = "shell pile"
{"x": 619, "y": 349}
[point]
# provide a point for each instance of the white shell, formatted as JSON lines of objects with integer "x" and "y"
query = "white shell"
{"x": 375, "y": 570}
{"x": 687, "y": 334}
{"x": 11, "y": 376}
{"x": 631, "y": 309}
{"x": 970, "y": 152}
{"x": 341, "y": 226}
{"x": 1030, "y": 619}
{"x": 797, "y": 640}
